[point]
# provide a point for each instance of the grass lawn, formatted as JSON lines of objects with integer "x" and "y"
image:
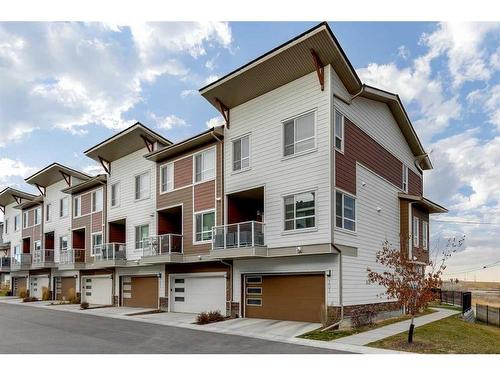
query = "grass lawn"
{"x": 444, "y": 306}
{"x": 337, "y": 334}
{"x": 3, "y": 293}
{"x": 449, "y": 335}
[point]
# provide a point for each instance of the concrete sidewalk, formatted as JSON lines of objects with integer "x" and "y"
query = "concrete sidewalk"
{"x": 393, "y": 329}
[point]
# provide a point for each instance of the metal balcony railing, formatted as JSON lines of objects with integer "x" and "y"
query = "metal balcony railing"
{"x": 163, "y": 244}
{"x": 110, "y": 252}
{"x": 71, "y": 256}
{"x": 43, "y": 256}
{"x": 245, "y": 234}
{"x": 19, "y": 261}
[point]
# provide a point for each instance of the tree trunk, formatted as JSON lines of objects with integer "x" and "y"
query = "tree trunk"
{"x": 410, "y": 331}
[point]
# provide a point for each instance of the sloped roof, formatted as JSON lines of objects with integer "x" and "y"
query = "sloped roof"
{"x": 53, "y": 173}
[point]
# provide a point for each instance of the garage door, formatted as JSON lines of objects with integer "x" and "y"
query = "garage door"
{"x": 140, "y": 291}
{"x": 18, "y": 283}
{"x": 37, "y": 283}
{"x": 64, "y": 287}
{"x": 285, "y": 297}
{"x": 198, "y": 293}
{"x": 97, "y": 290}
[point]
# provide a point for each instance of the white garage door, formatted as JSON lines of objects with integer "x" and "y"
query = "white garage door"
{"x": 97, "y": 290}
{"x": 37, "y": 285}
{"x": 195, "y": 294}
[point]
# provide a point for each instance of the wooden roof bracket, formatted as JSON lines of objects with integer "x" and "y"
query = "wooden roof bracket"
{"x": 18, "y": 200}
{"x": 41, "y": 189}
{"x": 66, "y": 177}
{"x": 149, "y": 143}
{"x": 106, "y": 165}
{"x": 320, "y": 69}
{"x": 2, "y": 208}
{"x": 224, "y": 110}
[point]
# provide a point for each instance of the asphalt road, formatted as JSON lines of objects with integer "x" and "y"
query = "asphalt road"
{"x": 25, "y": 329}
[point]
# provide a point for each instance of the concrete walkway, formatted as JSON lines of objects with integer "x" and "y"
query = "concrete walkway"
{"x": 393, "y": 329}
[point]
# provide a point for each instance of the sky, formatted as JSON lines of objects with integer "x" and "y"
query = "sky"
{"x": 65, "y": 87}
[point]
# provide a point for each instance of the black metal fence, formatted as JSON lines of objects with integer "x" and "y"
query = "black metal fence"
{"x": 457, "y": 298}
{"x": 488, "y": 314}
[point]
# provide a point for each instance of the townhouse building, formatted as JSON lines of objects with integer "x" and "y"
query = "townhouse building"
{"x": 277, "y": 214}
{"x": 4, "y": 260}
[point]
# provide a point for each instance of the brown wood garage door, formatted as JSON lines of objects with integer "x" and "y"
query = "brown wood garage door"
{"x": 18, "y": 284}
{"x": 64, "y": 287}
{"x": 285, "y": 297}
{"x": 140, "y": 291}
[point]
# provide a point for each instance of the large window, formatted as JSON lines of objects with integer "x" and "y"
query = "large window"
{"x": 241, "y": 153}
{"x": 7, "y": 226}
{"x": 142, "y": 186}
{"x": 416, "y": 234}
{"x": 339, "y": 131}
{"x": 17, "y": 220}
{"x": 38, "y": 215}
{"x": 63, "y": 207}
{"x": 96, "y": 242}
{"x": 25, "y": 219}
{"x": 115, "y": 194}
{"x": 405, "y": 178}
{"x": 300, "y": 211}
{"x": 204, "y": 163}
{"x": 63, "y": 243}
{"x": 204, "y": 223}
{"x": 37, "y": 245}
{"x": 425, "y": 235}
{"x": 345, "y": 215}
{"x": 48, "y": 212}
{"x": 167, "y": 177}
{"x": 299, "y": 134}
{"x": 141, "y": 235}
{"x": 77, "y": 206}
{"x": 97, "y": 200}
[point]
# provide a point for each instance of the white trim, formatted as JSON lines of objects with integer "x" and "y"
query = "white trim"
{"x": 92, "y": 252}
{"x": 342, "y": 138}
{"x": 207, "y": 211}
{"x": 148, "y": 172}
{"x": 405, "y": 179}
{"x": 425, "y": 235}
{"x": 163, "y": 166}
{"x": 118, "y": 184}
{"x": 239, "y": 138}
{"x": 415, "y": 236}
{"x": 283, "y": 212}
{"x": 92, "y": 200}
{"x": 205, "y": 150}
{"x": 342, "y": 229}
{"x": 293, "y": 118}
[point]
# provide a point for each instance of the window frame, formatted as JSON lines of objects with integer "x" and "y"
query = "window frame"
{"x": 117, "y": 194}
{"x": 425, "y": 235}
{"x": 63, "y": 214}
{"x": 416, "y": 234}
{"x": 342, "y": 129}
{"x": 405, "y": 182}
{"x": 202, "y": 213}
{"x": 139, "y": 175}
{"x": 163, "y": 167}
{"x": 314, "y": 137}
{"x": 342, "y": 216}
{"x": 48, "y": 212}
{"x": 37, "y": 216}
{"x": 17, "y": 223}
{"x": 25, "y": 219}
{"x": 136, "y": 242}
{"x": 93, "y": 197}
{"x": 92, "y": 245}
{"x": 39, "y": 242}
{"x": 295, "y": 229}
{"x": 6, "y": 224}
{"x": 202, "y": 177}
{"x": 77, "y": 209}
{"x": 249, "y": 157}
{"x": 60, "y": 242}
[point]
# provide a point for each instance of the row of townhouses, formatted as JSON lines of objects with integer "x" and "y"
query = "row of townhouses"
{"x": 277, "y": 214}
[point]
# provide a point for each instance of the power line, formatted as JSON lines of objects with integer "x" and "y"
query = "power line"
{"x": 465, "y": 222}
{"x": 491, "y": 265}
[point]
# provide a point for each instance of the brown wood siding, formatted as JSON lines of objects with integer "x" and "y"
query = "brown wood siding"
{"x": 204, "y": 196}
{"x": 404, "y": 234}
{"x": 419, "y": 252}
{"x": 414, "y": 183}
{"x": 183, "y": 172}
{"x": 86, "y": 203}
{"x": 289, "y": 297}
{"x": 34, "y": 233}
{"x": 97, "y": 222}
{"x": 144, "y": 292}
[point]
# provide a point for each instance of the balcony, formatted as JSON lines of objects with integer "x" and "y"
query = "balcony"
{"x": 5, "y": 264}
{"x": 70, "y": 259}
{"x": 43, "y": 259}
{"x": 162, "y": 248}
{"x": 20, "y": 262}
{"x": 109, "y": 255}
{"x": 238, "y": 240}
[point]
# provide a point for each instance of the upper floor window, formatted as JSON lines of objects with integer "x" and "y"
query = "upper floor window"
{"x": 416, "y": 234}
{"x": 96, "y": 242}
{"x": 37, "y": 245}
{"x": 299, "y": 134}
{"x": 63, "y": 207}
{"x": 7, "y": 226}
{"x": 63, "y": 243}
{"x": 97, "y": 200}
{"x": 17, "y": 249}
{"x": 425, "y": 235}
{"x": 405, "y": 178}
{"x": 115, "y": 194}
{"x": 241, "y": 153}
{"x": 167, "y": 177}
{"x": 25, "y": 219}
{"x": 141, "y": 235}
{"x": 142, "y": 186}
{"x": 300, "y": 211}
{"x": 17, "y": 222}
{"x": 48, "y": 212}
{"x": 38, "y": 215}
{"x": 204, "y": 223}
{"x": 77, "y": 206}
{"x": 339, "y": 131}
{"x": 204, "y": 166}
{"x": 345, "y": 211}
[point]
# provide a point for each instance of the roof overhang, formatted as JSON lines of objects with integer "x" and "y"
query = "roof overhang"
{"x": 428, "y": 205}
{"x": 187, "y": 145}
{"x": 9, "y": 195}
{"x": 281, "y": 65}
{"x": 38, "y": 200}
{"x": 54, "y": 173}
{"x": 86, "y": 185}
{"x": 125, "y": 142}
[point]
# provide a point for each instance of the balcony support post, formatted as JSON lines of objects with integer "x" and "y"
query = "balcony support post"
{"x": 253, "y": 233}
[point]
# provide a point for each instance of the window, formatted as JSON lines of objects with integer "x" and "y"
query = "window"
{"x": 254, "y": 279}
{"x": 63, "y": 243}
{"x": 17, "y": 222}
{"x": 241, "y": 153}
{"x": 115, "y": 194}
{"x": 425, "y": 235}
{"x": 37, "y": 245}
{"x": 405, "y": 178}
{"x": 142, "y": 186}
{"x": 141, "y": 234}
{"x": 299, "y": 134}
{"x": 204, "y": 166}
{"x": 96, "y": 242}
{"x": 167, "y": 177}
{"x": 339, "y": 131}
{"x": 7, "y": 225}
{"x": 416, "y": 224}
{"x": 48, "y": 208}
{"x": 204, "y": 223}
{"x": 38, "y": 215}
{"x": 25, "y": 219}
{"x": 77, "y": 206}
{"x": 97, "y": 200}
{"x": 17, "y": 249}
{"x": 300, "y": 211}
{"x": 345, "y": 215}
{"x": 63, "y": 207}
{"x": 257, "y": 290}
{"x": 254, "y": 301}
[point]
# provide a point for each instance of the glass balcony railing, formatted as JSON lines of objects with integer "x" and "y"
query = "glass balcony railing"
{"x": 43, "y": 256}
{"x": 163, "y": 244}
{"x": 245, "y": 234}
{"x": 110, "y": 252}
{"x": 71, "y": 256}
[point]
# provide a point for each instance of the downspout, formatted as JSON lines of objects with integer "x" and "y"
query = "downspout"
{"x": 341, "y": 297}
{"x": 232, "y": 282}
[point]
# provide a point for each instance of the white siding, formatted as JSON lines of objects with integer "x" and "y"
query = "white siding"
{"x": 262, "y": 117}
{"x": 13, "y": 237}
{"x": 141, "y": 271}
{"x": 136, "y": 213}
{"x": 373, "y": 228}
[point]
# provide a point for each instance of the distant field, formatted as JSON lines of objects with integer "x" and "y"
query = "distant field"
{"x": 483, "y": 293}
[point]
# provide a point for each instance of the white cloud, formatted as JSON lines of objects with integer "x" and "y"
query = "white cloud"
{"x": 215, "y": 121}
{"x": 93, "y": 170}
{"x": 488, "y": 100}
{"x": 13, "y": 171}
{"x": 168, "y": 122}
{"x": 403, "y": 52}
{"x": 186, "y": 93}
{"x": 211, "y": 78}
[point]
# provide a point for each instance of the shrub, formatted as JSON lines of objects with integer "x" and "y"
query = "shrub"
{"x": 209, "y": 317}
{"x": 30, "y": 299}
{"x": 45, "y": 293}
{"x": 72, "y": 297}
{"x": 22, "y": 293}
{"x": 363, "y": 316}
{"x": 84, "y": 305}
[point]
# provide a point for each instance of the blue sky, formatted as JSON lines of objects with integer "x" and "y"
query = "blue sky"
{"x": 66, "y": 86}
